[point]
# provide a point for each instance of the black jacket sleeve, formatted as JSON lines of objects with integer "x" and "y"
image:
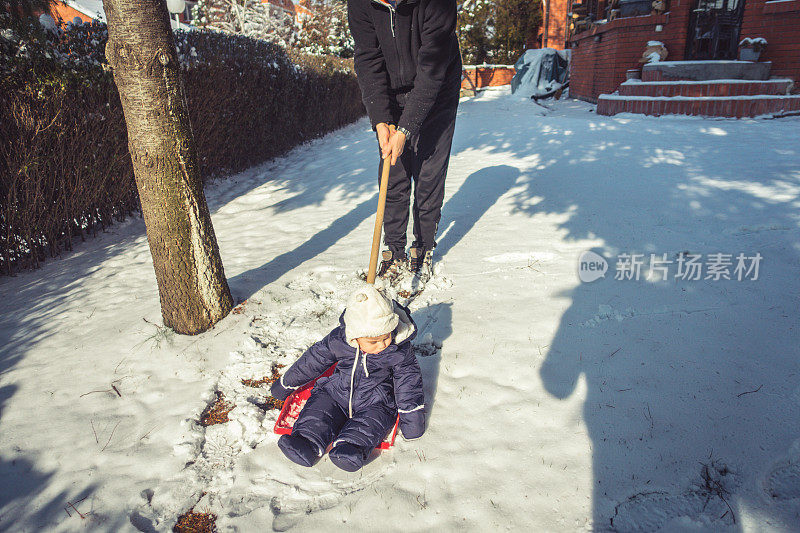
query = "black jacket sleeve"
{"x": 436, "y": 35}
{"x": 373, "y": 79}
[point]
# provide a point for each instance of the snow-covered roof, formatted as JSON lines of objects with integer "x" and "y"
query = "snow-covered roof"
{"x": 90, "y": 8}
{"x": 94, "y": 9}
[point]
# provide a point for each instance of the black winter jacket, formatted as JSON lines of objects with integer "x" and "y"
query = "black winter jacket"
{"x": 405, "y": 55}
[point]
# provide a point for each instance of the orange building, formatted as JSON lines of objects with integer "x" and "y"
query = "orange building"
{"x": 88, "y": 10}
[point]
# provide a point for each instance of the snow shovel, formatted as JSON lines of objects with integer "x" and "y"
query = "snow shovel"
{"x": 376, "y": 234}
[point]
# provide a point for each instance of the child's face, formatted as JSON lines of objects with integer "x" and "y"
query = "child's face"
{"x": 374, "y": 344}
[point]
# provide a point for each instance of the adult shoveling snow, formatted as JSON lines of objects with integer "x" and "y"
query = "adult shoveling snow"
{"x": 409, "y": 69}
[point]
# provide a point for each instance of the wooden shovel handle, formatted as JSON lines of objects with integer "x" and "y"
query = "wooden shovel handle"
{"x": 376, "y": 234}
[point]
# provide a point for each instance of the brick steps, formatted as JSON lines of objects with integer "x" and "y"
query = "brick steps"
{"x": 705, "y": 70}
{"x": 711, "y": 106}
{"x": 705, "y": 88}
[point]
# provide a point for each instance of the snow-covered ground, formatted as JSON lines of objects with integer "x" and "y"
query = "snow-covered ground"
{"x": 554, "y": 405}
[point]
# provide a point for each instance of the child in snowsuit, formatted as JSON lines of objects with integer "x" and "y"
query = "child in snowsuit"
{"x": 377, "y": 377}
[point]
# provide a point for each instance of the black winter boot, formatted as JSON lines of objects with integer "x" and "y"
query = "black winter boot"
{"x": 349, "y": 457}
{"x": 390, "y": 259}
{"x": 422, "y": 263}
{"x": 299, "y": 449}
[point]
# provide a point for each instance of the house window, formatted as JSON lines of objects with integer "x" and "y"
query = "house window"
{"x": 709, "y": 5}
{"x": 634, "y": 8}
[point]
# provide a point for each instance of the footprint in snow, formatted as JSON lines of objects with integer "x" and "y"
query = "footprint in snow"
{"x": 652, "y": 511}
{"x": 328, "y": 489}
{"x": 703, "y": 503}
{"x": 783, "y": 481}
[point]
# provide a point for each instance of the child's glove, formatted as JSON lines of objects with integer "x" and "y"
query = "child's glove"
{"x": 278, "y": 391}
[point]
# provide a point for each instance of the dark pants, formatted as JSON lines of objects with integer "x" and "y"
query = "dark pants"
{"x": 322, "y": 421}
{"x": 424, "y": 161}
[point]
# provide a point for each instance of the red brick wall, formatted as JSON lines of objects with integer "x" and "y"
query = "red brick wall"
{"x": 556, "y": 24}
{"x": 487, "y": 77}
{"x": 599, "y": 66}
{"x": 779, "y": 24}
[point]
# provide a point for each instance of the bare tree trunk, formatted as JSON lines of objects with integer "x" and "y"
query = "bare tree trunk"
{"x": 141, "y": 52}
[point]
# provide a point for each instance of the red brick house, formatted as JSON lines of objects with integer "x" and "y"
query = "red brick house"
{"x": 701, "y": 74}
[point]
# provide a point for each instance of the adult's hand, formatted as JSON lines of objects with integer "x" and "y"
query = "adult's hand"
{"x": 384, "y": 133}
{"x": 397, "y": 143}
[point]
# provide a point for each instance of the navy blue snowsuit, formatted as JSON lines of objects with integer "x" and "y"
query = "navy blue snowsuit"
{"x": 360, "y": 402}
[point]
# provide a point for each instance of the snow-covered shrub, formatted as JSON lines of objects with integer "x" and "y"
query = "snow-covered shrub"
{"x": 326, "y": 31}
{"x": 758, "y": 44}
{"x": 251, "y": 18}
{"x": 323, "y": 31}
{"x": 65, "y": 170}
{"x": 654, "y": 52}
{"x": 271, "y": 100}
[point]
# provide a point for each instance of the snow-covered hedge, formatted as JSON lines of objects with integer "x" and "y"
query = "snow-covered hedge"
{"x": 65, "y": 170}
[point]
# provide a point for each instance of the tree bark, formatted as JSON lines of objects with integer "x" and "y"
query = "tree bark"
{"x": 141, "y": 53}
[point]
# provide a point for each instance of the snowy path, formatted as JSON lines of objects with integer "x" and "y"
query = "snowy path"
{"x": 554, "y": 405}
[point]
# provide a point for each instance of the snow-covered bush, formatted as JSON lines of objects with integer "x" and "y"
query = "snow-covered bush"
{"x": 28, "y": 43}
{"x": 65, "y": 170}
{"x": 654, "y": 52}
{"x": 251, "y": 18}
{"x": 323, "y": 31}
{"x": 758, "y": 44}
{"x": 326, "y": 31}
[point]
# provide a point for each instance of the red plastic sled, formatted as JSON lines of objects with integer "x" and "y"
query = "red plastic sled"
{"x": 295, "y": 402}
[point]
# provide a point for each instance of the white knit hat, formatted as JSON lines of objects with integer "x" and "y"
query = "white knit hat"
{"x": 369, "y": 314}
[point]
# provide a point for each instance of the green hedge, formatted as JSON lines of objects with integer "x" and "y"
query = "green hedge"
{"x": 65, "y": 171}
